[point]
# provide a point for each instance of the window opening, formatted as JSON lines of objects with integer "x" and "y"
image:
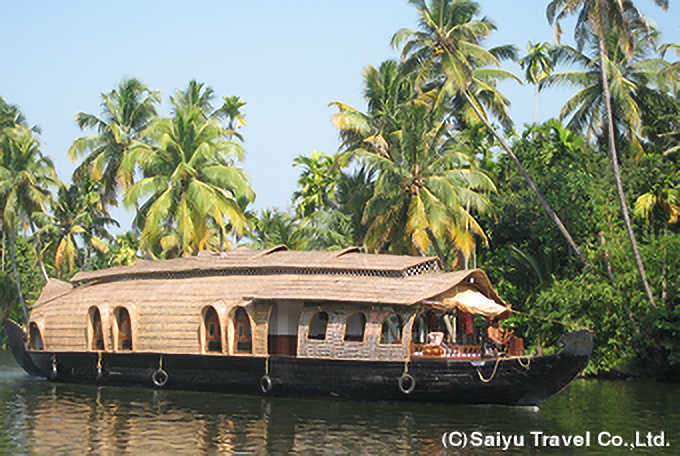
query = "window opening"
{"x": 124, "y": 330}
{"x": 97, "y": 333}
{"x": 243, "y": 339}
{"x": 355, "y": 327}
{"x": 36, "y": 337}
{"x": 213, "y": 336}
{"x": 391, "y": 330}
{"x": 317, "y": 326}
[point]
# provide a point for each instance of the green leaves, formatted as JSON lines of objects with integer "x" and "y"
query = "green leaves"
{"x": 191, "y": 184}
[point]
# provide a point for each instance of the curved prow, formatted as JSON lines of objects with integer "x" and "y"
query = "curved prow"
{"x": 17, "y": 336}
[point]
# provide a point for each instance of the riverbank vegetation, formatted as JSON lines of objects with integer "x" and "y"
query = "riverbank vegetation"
{"x": 575, "y": 219}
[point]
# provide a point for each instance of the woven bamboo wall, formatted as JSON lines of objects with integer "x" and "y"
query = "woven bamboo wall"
{"x": 335, "y": 347}
{"x": 168, "y": 300}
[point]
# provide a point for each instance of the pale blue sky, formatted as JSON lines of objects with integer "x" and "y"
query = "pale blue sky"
{"x": 287, "y": 60}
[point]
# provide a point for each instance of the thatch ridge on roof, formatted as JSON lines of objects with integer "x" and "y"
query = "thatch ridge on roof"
{"x": 273, "y": 261}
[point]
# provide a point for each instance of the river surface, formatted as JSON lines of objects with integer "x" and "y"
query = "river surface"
{"x": 589, "y": 417}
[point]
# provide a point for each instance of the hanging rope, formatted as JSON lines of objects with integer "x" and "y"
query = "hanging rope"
{"x": 524, "y": 365}
{"x": 493, "y": 374}
{"x": 574, "y": 325}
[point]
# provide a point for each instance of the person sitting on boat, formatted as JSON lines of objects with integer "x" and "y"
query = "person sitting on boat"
{"x": 496, "y": 335}
{"x": 468, "y": 326}
{"x": 435, "y": 344}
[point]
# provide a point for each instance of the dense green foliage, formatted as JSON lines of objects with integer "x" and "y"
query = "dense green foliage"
{"x": 432, "y": 166}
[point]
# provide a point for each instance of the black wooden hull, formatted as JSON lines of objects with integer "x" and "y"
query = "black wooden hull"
{"x": 511, "y": 381}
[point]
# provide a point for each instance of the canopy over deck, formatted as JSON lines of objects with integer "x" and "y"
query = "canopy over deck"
{"x": 474, "y": 302}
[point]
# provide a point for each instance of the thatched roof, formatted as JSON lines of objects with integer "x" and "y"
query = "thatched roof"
{"x": 279, "y": 274}
{"x": 166, "y": 298}
{"x": 372, "y": 290}
{"x": 276, "y": 260}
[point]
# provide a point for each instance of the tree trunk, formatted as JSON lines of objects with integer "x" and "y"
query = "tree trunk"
{"x": 617, "y": 175}
{"x": 13, "y": 257}
{"x": 38, "y": 252}
{"x": 528, "y": 179}
{"x": 535, "y": 103}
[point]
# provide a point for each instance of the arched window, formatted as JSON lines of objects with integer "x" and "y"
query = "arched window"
{"x": 243, "y": 341}
{"x": 355, "y": 327}
{"x": 317, "y": 326}
{"x": 124, "y": 329}
{"x": 97, "y": 333}
{"x": 36, "y": 342}
{"x": 391, "y": 330}
{"x": 213, "y": 334}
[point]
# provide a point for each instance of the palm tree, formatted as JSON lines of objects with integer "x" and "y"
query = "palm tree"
{"x": 662, "y": 198}
{"x": 126, "y": 112}
{"x": 273, "y": 228}
{"x": 630, "y": 78}
{"x": 10, "y": 117}
{"x": 386, "y": 90}
{"x": 231, "y": 111}
{"x": 672, "y": 74}
{"x": 424, "y": 184}
{"x": 596, "y": 19}
{"x": 25, "y": 178}
{"x": 449, "y": 47}
{"x": 537, "y": 64}
{"x": 426, "y": 188}
{"x": 191, "y": 182}
{"x": 78, "y": 212}
{"x": 124, "y": 249}
{"x": 318, "y": 182}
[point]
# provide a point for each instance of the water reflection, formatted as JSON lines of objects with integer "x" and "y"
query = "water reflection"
{"x": 41, "y": 417}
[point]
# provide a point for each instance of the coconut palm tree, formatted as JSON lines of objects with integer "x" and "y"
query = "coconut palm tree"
{"x": 629, "y": 79}
{"x": 537, "y": 64}
{"x": 78, "y": 212}
{"x": 318, "y": 182}
{"x": 597, "y": 19}
{"x": 25, "y": 177}
{"x": 126, "y": 112}
{"x": 386, "y": 89}
{"x": 231, "y": 112}
{"x": 448, "y": 47}
{"x": 273, "y": 227}
{"x": 422, "y": 179}
{"x": 426, "y": 189}
{"x": 663, "y": 198}
{"x": 191, "y": 181}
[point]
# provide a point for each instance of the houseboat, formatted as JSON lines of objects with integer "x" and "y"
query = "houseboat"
{"x": 278, "y": 322}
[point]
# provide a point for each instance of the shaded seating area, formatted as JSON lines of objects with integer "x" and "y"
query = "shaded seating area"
{"x": 446, "y": 328}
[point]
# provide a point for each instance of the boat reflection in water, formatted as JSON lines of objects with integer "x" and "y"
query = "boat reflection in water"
{"x": 41, "y": 417}
{"x": 54, "y": 418}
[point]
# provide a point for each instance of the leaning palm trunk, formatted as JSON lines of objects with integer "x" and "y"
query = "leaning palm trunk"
{"x": 617, "y": 175}
{"x": 38, "y": 253}
{"x": 13, "y": 257}
{"x": 527, "y": 178}
{"x": 437, "y": 249}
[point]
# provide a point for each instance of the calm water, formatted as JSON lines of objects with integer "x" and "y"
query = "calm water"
{"x": 39, "y": 417}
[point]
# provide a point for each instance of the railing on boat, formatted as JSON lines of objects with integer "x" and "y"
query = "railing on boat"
{"x": 446, "y": 351}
